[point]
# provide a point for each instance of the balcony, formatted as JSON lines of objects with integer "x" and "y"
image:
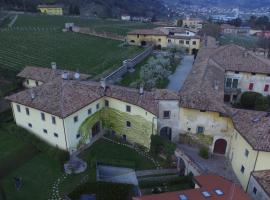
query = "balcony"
{"x": 229, "y": 90}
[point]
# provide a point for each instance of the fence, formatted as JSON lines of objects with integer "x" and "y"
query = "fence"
{"x": 128, "y": 65}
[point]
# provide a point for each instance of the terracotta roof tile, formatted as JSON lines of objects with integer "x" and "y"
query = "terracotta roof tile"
{"x": 263, "y": 178}
{"x": 46, "y": 74}
{"x": 64, "y": 97}
{"x": 207, "y": 183}
{"x": 148, "y": 32}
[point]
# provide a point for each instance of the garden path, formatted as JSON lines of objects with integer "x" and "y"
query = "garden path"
{"x": 178, "y": 78}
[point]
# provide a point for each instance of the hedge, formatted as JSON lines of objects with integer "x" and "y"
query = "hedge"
{"x": 104, "y": 191}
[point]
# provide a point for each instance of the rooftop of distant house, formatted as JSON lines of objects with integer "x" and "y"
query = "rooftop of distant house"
{"x": 263, "y": 178}
{"x": 148, "y": 32}
{"x": 210, "y": 187}
{"x": 50, "y": 6}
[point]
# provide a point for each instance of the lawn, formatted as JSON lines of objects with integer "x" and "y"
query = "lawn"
{"x": 41, "y": 172}
{"x": 100, "y": 25}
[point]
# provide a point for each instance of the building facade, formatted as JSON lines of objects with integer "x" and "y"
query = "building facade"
{"x": 166, "y": 37}
{"x": 51, "y": 9}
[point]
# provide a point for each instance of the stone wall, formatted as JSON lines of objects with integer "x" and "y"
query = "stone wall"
{"x": 128, "y": 65}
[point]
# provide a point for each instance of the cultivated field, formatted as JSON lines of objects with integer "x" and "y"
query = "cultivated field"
{"x": 38, "y": 40}
{"x": 110, "y": 25}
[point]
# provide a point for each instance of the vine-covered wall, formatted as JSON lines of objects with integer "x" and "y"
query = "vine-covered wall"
{"x": 112, "y": 119}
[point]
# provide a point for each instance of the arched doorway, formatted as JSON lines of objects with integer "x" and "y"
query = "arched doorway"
{"x": 220, "y": 146}
{"x": 143, "y": 43}
{"x": 166, "y": 132}
{"x": 96, "y": 128}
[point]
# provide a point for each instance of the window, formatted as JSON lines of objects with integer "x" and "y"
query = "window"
{"x": 18, "y": 108}
{"x": 246, "y": 152}
{"x": 253, "y": 74}
{"x": 206, "y": 194}
{"x": 55, "y": 135}
{"x": 78, "y": 135}
{"x": 128, "y": 124}
{"x": 106, "y": 103}
{"x": 53, "y": 120}
{"x": 97, "y": 106}
{"x": 254, "y": 190}
{"x": 266, "y": 88}
{"x": 194, "y": 43}
{"x": 132, "y": 41}
{"x": 27, "y": 111}
{"x": 242, "y": 169}
{"x": 75, "y": 119}
{"x": 138, "y": 35}
{"x": 219, "y": 192}
{"x": 30, "y": 125}
{"x": 183, "y": 197}
{"x": 200, "y": 130}
{"x": 89, "y": 111}
{"x": 202, "y": 110}
{"x": 27, "y": 81}
{"x": 187, "y": 42}
{"x": 251, "y": 85}
{"x": 45, "y": 131}
{"x": 159, "y": 39}
{"x": 228, "y": 83}
{"x": 181, "y": 41}
{"x": 236, "y": 72}
{"x": 166, "y": 114}
{"x": 43, "y": 116}
{"x": 36, "y": 83}
{"x": 169, "y": 40}
{"x": 235, "y": 83}
{"x": 128, "y": 108}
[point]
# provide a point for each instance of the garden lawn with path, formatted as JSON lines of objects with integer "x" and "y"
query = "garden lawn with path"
{"x": 41, "y": 173}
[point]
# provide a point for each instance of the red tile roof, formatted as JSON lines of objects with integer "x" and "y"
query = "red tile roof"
{"x": 263, "y": 178}
{"x": 207, "y": 183}
{"x": 64, "y": 97}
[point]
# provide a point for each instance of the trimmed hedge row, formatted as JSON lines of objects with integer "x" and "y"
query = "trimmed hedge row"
{"x": 254, "y": 100}
{"x": 104, "y": 191}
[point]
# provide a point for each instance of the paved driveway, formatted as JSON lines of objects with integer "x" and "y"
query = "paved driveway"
{"x": 215, "y": 164}
{"x": 178, "y": 78}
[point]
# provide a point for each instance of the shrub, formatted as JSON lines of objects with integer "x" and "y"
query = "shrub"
{"x": 204, "y": 153}
{"x": 261, "y": 103}
{"x": 104, "y": 191}
{"x": 162, "y": 145}
{"x": 248, "y": 99}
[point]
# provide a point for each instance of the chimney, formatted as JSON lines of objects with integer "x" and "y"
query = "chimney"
{"x": 65, "y": 76}
{"x": 32, "y": 94}
{"x": 77, "y": 76}
{"x": 53, "y": 65}
{"x": 141, "y": 89}
{"x": 216, "y": 85}
{"x": 103, "y": 83}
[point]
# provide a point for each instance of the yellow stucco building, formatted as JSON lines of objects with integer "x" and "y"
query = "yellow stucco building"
{"x": 51, "y": 9}
{"x": 166, "y": 37}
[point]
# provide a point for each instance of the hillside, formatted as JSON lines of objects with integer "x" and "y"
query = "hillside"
{"x": 226, "y": 3}
{"x": 99, "y": 8}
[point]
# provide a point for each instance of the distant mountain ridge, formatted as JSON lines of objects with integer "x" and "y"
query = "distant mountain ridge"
{"x": 99, "y": 8}
{"x": 226, "y": 3}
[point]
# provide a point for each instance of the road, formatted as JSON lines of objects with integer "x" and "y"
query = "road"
{"x": 178, "y": 78}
